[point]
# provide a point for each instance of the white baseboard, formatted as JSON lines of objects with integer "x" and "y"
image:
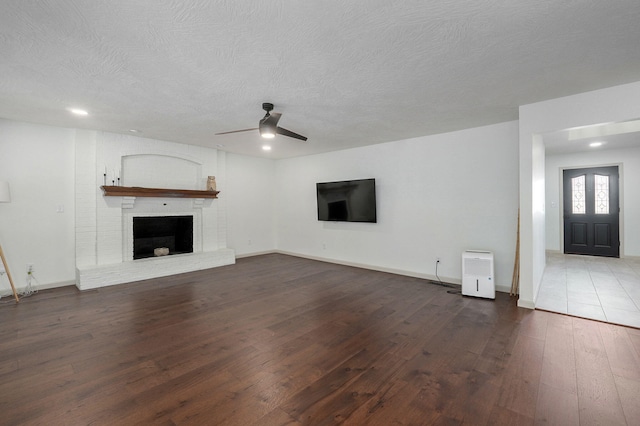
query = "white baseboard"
{"x": 36, "y": 286}
{"x": 256, "y": 253}
{"x": 55, "y": 285}
{"x": 413, "y": 274}
{"x": 526, "y": 304}
{"x": 503, "y": 289}
{"x": 448, "y": 280}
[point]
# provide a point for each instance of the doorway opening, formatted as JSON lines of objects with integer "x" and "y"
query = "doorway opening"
{"x": 591, "y": 206}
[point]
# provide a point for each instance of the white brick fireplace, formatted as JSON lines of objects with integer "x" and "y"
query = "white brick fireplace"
{"x": 104, "y": 225}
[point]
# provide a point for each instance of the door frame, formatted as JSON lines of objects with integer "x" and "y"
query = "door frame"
{"x": 620, "y": 200}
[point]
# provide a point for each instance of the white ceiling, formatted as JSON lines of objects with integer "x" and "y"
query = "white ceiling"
{"x": 607, "y": 135}
{"x": 342, "y": 73}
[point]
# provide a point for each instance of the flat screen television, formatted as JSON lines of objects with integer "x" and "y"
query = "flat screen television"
{"x": 347, "y": 201}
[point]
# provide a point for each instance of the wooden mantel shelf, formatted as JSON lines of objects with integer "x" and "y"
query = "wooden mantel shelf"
{"x": 136, "y": 191}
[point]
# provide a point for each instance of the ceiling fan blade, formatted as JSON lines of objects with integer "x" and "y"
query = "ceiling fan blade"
{"x": 285, "y": 132}
{"x": 237, "y": 131}
{"x": 271, "y": 119}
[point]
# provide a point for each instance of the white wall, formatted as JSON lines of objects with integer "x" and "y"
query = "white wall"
{"x": 250, "y": 194}
{"x": 629, "y": 159}
{"x": 38, "y": 163}
{"x": 437, "y": 196}
{"x": 439, "y": 220}
{"x": 615, "y": 104}
{"x": 104, "y": 226}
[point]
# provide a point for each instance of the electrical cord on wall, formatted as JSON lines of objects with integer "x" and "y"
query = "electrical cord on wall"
{"x": 443, "y": 284}
{"x": 29, "y": 290}
{"x": 1, "y": 296}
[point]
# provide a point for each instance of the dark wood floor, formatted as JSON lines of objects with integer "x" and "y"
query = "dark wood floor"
{"x": 279, "y": 340}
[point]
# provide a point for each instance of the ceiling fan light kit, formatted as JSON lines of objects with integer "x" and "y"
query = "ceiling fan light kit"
{"x": 267, "y": 134}
{"x": 268, "y": 126}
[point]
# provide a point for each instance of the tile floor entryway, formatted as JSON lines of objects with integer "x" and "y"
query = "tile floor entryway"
{"x": 600, "y": 288}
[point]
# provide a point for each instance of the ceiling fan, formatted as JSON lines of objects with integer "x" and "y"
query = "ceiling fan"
{"x": 268, "y": 126}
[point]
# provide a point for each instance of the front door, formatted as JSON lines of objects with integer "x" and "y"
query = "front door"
{"x": 591, "y": 211}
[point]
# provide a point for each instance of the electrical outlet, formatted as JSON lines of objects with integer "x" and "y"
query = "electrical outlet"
{"x": 29, "y": 268}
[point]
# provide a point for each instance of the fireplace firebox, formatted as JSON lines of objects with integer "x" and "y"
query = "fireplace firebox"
{"x": 150, "y": 233}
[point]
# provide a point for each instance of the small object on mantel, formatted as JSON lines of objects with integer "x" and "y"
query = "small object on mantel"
{"x": 161, "y": 251}
{"x": 211, "y": 183}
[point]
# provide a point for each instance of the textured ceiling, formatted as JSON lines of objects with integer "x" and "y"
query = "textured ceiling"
{"x": 608, "y": 136}
{"x": 343, "y": 74}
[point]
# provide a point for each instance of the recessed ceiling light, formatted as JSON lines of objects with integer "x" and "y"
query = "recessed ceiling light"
{"x": 596, "y": 144}
{"x": 134, "y": 131}
{"x": 266, "y": 148}
{"x": 77, "y": 111}
{"x": 220, "y": 145}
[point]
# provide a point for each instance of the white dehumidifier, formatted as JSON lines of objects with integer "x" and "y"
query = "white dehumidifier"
{"x": 477, "y": 274}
